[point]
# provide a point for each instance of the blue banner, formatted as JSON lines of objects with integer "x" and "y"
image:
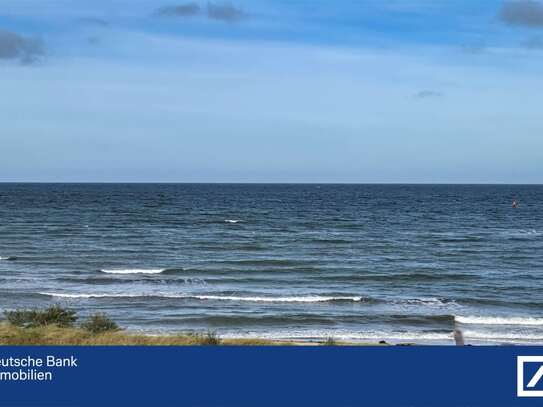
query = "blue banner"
{"x": 271, "y": 376}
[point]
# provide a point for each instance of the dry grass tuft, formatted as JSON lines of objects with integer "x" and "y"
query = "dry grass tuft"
{"x": 55, "y": 335}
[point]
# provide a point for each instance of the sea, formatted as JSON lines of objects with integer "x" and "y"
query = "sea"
{"x": 303, "y": 262}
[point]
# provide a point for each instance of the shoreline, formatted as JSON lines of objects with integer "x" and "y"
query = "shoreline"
{"x": 57, "y": 325}
{"x": 53, "y": 335}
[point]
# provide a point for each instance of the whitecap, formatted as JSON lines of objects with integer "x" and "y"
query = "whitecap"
{"x": 132, "y": 271}
{"x": 302, "y": 299}
{"x": 233, "y": 220}
{"x": 484, "y": 320}
{"x": 64, "y": 295}
{"x": 111, "y": 295}
{"x": 430, "y": 301}
{"x": 502, "y": 336}
{"x": 349, "y": 336}
{"x": 315, "y": 298}
{"x": 522, "y": 233}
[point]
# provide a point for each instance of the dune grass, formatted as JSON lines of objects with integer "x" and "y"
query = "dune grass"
{"x": 56, "y": 325}
{"x": 55, "y": 335}
{"x": 31, "y": 318}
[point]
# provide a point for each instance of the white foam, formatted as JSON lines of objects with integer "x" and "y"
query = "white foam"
{"x": 341, "y": 335}
{"x": 303, "y": 299}
{"x": 112, "y": 295}
{"x": 502, "y": 336}
{"x": 394, "y": 337}
{"x": 315, "y": 298}
{"x": 430, "y": 301}
{"x": 63, "y": 295}
{"x": 480, "y": 320}
{"x": 520, "y": 233}
{"x": 133, "y": 271}
{"x": 233, "y": 220}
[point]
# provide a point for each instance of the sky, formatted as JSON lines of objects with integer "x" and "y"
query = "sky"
{"x": 367, "y": 91}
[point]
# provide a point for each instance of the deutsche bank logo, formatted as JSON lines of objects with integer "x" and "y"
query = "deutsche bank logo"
{"x": 530, "y": 376}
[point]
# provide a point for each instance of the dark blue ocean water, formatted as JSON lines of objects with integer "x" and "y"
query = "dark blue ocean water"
{"x": 356, "y": 262}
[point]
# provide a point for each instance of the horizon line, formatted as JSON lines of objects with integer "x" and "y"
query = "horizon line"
{"x": 264, "y": 183}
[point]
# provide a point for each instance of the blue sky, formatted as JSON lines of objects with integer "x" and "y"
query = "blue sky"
{"x": 271, "y": 91}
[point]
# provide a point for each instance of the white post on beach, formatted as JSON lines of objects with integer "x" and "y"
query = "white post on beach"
{"x": 458, "y": 337}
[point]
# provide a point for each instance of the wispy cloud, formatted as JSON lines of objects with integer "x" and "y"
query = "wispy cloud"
{"x": 181, "y": 10}
{"x": 424, "y": 94}
{"x": 15, "y": 46}
{"x": 527, "y": 13}
{"x": 214, "y": 11}
{"x": 224, "y": 12}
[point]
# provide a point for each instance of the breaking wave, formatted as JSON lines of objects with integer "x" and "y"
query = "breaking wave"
{"x": 341, "y": 335}
{"x": 308, "y": 298}
{"x": 498, "y": 320}
{"x": 315, "y": 298}
{"x": 303, "y": 299}
{"x": 503, "y": 336}
{"x": 431, "y": 301}
{"x": 521, "y": 234}
{"x": 133, "y": 271}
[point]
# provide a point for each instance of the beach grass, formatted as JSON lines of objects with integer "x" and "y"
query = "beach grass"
{"x": 54, "y": 335}
{"x": 57, "y": 335}
{"x": 56, "y": 325}
{"x": 29, "y": 318}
